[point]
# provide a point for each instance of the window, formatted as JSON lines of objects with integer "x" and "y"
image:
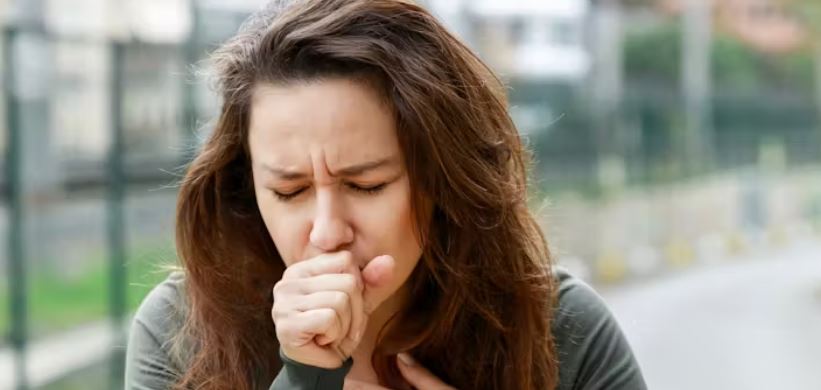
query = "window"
{"x": 564, "y": 32}
{"x": 517, "y": 30}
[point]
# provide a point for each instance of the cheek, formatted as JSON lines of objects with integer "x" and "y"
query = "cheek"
{"x": 409, "y": 242}
{"x": 282, "y": 228}
{"x": 392, "y": 229}
{"x": 386, "y": 220}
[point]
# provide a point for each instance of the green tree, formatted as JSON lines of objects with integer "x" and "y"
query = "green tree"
{"x": 809, "y": 13}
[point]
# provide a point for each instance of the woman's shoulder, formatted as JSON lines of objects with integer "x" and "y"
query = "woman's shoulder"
{"x": 579, "y": 308}
{"x": 163, "y": 310}
{"x": 150, "y": 359}
{"x": 164, "y": 300}
{"x": 592, "y": 349}
{"x": 574, "y": 293}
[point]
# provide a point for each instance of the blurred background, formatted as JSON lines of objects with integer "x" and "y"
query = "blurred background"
{"x": 678, "y": 171}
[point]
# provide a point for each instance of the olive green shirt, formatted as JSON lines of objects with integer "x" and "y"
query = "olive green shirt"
{"x": 592, "y": 350}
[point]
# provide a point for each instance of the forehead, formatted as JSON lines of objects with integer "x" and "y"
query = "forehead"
{"x": 345, "y": 120}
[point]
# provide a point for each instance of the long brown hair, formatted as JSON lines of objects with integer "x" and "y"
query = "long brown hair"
{"x": 482, "y": 296}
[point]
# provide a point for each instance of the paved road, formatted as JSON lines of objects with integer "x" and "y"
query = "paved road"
{"x": 59, "y": 355}
{"x": 751, "y": 323}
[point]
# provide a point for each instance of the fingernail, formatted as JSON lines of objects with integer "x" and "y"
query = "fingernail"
{"x": 406, "y": 359}
{"x": 357, "y": 335}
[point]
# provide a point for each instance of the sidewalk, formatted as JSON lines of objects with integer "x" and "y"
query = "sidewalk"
{"x": 54, "y": 357}
{"x": 751, "y": 323}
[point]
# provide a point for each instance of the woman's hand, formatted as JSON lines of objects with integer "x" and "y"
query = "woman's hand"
{"x": 417, "y": 376}
{"x": 321, "y": 306}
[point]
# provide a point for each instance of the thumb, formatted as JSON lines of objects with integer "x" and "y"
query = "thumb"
{"x": 377, "y": 273}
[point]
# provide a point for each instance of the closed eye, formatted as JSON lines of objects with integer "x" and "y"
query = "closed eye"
{"x": 367, "y": 190}
{"x": 289, "y": 195}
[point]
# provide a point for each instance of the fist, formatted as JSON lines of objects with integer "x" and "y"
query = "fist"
{"x": 322, "y": 304}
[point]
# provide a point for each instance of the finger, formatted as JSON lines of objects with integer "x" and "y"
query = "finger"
{"x": 349, "y": 344}
{"x": 289, "y": 294}
{"x": 358, "y": 315}
{"x": 350, "y": 283}
{"x": 359, "y": 320}
{"x": 418, "y": 376}
{"x": 377, "y": 273}
{"x": 307, "y": 325}
{"x": 352, "y": 384}
{"x": 329, "y": 282}
{"x": 328, "y": 263}
{"x": 358, "y": 323}
{"x": 339, "y": 301}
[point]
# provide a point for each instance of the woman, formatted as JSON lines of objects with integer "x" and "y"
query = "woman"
{"x": 358, "y": 218}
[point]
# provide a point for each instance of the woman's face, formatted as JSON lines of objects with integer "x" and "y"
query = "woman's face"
{"x": 329, "y": 175}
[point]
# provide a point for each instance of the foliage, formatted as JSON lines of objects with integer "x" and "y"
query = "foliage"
{"x": 654, "y": 56}
{"x": 56, "y": 302}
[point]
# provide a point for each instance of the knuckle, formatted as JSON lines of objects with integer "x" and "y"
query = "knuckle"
{"x": 284, "y": 332}
{"x": 340, "y": 299}
{"x": 280, "y": 287}
{"x": 277, "y": 313}
{"x": 326, "y": 314}
{"x": 289, "y": 272}
{"x": 329, "y": 316}
{"x": 284, "y": 287}
{"x": 277, "y": 288}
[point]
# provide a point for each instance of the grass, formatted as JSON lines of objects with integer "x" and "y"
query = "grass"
{"x": 56, "y": 302}
{"x": 94, "y": 377}
{"x": 4, "y": 314}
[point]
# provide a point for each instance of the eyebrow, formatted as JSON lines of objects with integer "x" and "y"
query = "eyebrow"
{"x": 353, "y": 170}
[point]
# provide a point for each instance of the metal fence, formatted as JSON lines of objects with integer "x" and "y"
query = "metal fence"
{"x": 96, "y": 132}
{"x": 97, "y": 129}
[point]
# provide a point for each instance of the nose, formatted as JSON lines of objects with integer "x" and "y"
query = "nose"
{"x": 330, "y": 231}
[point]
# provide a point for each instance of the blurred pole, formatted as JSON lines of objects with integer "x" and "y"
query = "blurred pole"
{"x": 28, "y": 159}
{"x": 817, "y": 56}
{"x": 607, "y": 92}
{"x": 696, "y": 83}
{"x": 39, "y": 163}
{"x": 190, "y": 112}
{"x": 467, "y": 21}
{"x": 16, "y": 249}
{"x": 116, "y": 215}
{"x": 457, "y": 16}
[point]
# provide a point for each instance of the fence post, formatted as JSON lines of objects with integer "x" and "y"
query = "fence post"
{"x": 116, "y": 215}
{"x": 696, "y": 83}
{"x": 190, "y": 112}
{"x": 14, "y": 196}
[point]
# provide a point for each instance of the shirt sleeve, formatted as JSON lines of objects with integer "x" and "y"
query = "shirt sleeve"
{"x": 148, "y": 365}
{"x": 593, "y": 352}
{"x": 298, "y": 376}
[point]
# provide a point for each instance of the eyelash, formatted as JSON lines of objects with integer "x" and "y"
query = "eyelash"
{"x": 365, "y": 190}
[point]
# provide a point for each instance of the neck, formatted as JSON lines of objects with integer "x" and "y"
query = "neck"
{"x": 362, "y": 369}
